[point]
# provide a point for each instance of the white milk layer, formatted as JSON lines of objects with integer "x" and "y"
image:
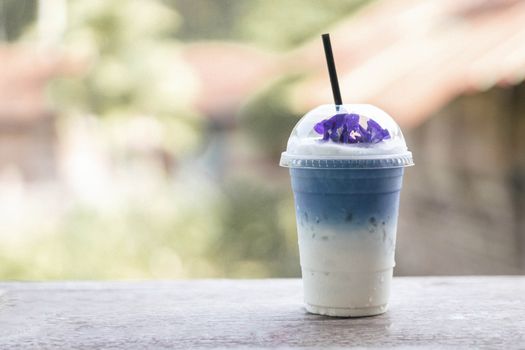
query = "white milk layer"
{"x": 346, "y": 273}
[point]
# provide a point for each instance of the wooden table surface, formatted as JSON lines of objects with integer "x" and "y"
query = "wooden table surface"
{"x": 425, "y": 312}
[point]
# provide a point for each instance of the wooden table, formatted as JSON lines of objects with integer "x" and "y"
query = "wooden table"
{"x": 425, "y": 312}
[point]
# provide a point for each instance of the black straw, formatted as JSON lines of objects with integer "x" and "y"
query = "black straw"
{"x": 331, "y": 69}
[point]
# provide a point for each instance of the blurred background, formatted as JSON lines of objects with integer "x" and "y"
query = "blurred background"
{"x": 141, "y": 138}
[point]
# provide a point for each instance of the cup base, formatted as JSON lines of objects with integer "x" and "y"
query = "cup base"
{"x": 346, "y": 312}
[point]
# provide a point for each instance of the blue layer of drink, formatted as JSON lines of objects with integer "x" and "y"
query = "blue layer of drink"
{"x": 346, "y": 221}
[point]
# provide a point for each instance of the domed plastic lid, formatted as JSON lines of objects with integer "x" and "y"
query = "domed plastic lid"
{"x": 351, "y": 136}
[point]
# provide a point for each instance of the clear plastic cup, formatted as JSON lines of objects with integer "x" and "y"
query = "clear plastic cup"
{"x": 347, "y": 201}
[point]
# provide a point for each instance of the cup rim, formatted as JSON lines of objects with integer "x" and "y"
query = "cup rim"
{"x": 399, "y": 160}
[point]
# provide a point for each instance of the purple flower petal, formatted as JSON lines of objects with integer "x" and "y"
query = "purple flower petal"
{"x": 319, "y": 127}
{"x": 373, "y": 126}
{"x": 345, "y": 128}
{"x": 352, "y": 122}
{"x": 376, "y": 132}
{"x": 324, "y": 126}
{"x": 334, "y": 136}
{"x": 338, "y": 120}
{"x": 344, "y": 135}
{"x": 352, "y": 119}
{"x": 352, "y": 138}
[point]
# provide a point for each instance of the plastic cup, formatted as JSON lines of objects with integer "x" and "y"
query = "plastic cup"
{"x": 347, "y": 203}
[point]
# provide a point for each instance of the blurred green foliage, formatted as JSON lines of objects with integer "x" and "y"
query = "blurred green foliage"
{"x": 158, "y": 230}
{"x": 15, "y": 16}
{"x": 192, "y": 229}
{"x": 268, "y": 117}
{"x": 284, "y": 24}
{"x": 209, "y": 19}
{"x": 258, "y": 235}
{"x": 272, "y": 24}
{"x": 133, "y": 62}
{"x": 184, "y": 224}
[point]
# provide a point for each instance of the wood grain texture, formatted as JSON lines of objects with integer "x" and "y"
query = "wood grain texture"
{"x": 425, "y": 312}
